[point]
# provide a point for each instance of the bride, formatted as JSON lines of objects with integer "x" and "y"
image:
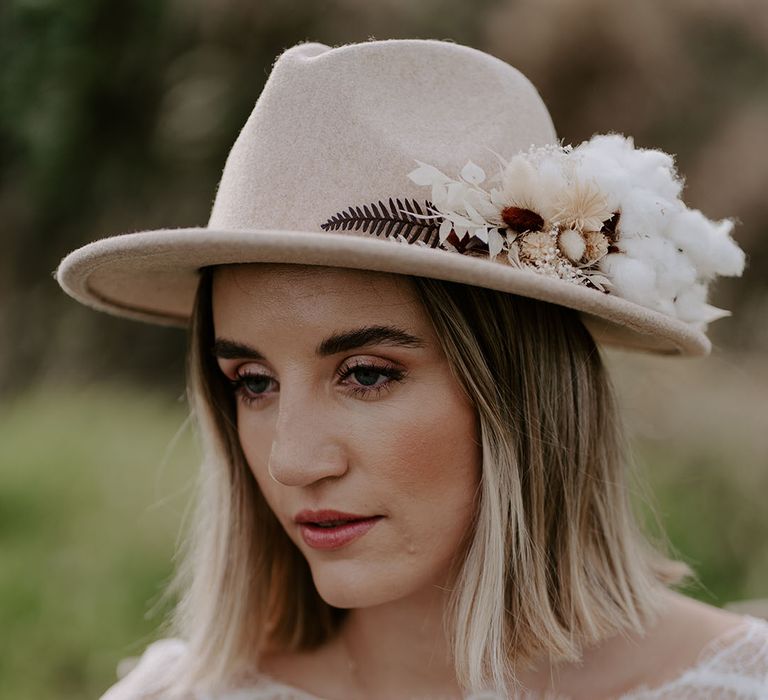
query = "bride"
{"x": 414, "y": 481}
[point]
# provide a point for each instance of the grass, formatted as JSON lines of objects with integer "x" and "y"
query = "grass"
{"x": 89, "y": 511}
{"x": 94, "y": 486}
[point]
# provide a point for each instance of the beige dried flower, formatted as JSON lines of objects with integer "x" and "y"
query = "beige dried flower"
{"x": 537, "y": 246}
{"x": 596, "y": 245}
{"x": 582, "y": 206}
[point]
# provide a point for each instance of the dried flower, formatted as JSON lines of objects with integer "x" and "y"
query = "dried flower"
{"x": 603, "y": 214}
{"x": 582, "y": 206}
{"x": 521, "y": 220}
{"x": 537, "y": 246}
{"x": 596, "y": 245}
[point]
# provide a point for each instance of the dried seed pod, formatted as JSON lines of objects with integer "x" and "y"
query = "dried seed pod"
{"x": 571, "y": 244}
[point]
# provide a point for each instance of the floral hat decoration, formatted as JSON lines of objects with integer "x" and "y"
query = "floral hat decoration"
{"x": 605, "y": 215}
{"x": 351, "y": 149}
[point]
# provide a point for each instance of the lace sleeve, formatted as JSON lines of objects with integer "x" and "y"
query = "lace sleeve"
{"x": 733, "y": 666}
{"x": 145, "y": 678}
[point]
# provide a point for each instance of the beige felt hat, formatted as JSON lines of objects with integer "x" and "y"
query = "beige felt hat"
{"x": 434, "y": 159}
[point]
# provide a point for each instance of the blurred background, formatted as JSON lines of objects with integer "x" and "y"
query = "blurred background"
{"x": 118, "y": 116}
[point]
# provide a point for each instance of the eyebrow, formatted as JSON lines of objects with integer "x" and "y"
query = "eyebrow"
{"x": 338, "y": 342}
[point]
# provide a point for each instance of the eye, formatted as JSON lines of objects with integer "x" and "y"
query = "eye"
{"x": 251, "y": 387}
{"x": 367, "y": 373}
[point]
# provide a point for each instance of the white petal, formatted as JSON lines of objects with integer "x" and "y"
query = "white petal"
{"x": 439, "y": 196}
{"x": 481, "y": 233}
{"x": 513, "y": 255}
{"x": 473, "y": 214}
{"x": 445, "y": 229}
{"x": 480, "y": 201}
{"x": 455, "y": 195}
{"x": 497, "y": 197}
{"x": 461, "y": 221}
{"x": 495, "y": 243}
{"x": 428, "y": 175}
{"x": 473, "y": 173}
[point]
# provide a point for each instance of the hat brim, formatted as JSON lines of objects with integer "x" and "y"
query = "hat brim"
{"x": 152, "y": 276}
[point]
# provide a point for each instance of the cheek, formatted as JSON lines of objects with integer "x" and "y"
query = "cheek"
{"x": 431, "y": 468}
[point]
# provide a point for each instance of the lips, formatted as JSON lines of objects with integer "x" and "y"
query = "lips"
{"x": 333, "y": 537}
{"x": 328, "y": 517}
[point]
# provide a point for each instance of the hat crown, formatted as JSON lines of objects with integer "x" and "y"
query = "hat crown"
{"x": 340, "y": 126}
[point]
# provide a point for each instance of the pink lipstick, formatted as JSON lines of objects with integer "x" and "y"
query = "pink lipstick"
{"x": 331, "y": 529}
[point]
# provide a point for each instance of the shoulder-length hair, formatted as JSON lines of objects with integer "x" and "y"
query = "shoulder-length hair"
{"x": 556, "y": 558}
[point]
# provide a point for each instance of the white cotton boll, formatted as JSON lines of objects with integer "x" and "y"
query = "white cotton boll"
{"x": 691, "y": 305}
{"x": 674, "y": 275}
{"x": 696, "y": 235}
{"x": 643, "y": 212}
{"x": 678, "y": 275}
{"x": 646, "y": 247}
{"x": 655, "y": 171}
{"x": 632, "y": 279}
{"x": 606, "y": 176}
{"x": 687, "y": 229}
{"x": 712, "y": 313}
{"x": 611, "y": 146}
{"x": 674, "y": 271}
{"x": 650, "y": 169}
{"x": 666, "y": 306}
{"x": 730, "y": 258}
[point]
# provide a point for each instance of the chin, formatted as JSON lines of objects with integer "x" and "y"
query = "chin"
{"x": 342, "y": 588}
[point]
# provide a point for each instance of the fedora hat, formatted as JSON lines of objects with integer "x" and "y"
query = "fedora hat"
{"x": 429, "y": 158}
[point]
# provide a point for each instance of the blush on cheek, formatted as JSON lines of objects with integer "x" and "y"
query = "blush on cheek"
{"x": 431, "y": 466}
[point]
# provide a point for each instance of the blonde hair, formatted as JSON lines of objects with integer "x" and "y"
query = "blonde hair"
{"x": 556, "y": 559}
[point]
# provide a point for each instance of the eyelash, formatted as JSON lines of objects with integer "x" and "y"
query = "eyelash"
{"x": 395, "y": 375}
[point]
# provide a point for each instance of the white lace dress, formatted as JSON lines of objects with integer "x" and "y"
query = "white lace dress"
{"x": 733, "y": 666}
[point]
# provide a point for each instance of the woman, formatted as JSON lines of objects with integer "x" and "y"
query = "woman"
{"x": 414, "y": 480}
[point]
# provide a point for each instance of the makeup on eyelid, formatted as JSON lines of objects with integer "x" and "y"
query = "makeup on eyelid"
{"x": 392, "y": 373}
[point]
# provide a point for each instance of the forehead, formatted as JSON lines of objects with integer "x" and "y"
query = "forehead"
{"x": 253, "y": 294}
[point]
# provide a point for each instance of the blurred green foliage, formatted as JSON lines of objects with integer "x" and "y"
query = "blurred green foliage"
{"x": 89, "y": 510}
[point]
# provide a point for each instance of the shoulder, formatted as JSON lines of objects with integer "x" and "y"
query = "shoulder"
{"x": 741, "y": 651}
{"x": 142, "y": 678}
{"x": 147, "y": 678}
{"x": 733, "y": 665}
{"x": 725, "y": 655}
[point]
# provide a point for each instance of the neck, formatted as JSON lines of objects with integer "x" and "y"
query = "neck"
{"x": 399, "y": 648}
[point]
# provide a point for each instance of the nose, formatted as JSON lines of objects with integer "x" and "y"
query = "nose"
{"x": 305, "y": 445}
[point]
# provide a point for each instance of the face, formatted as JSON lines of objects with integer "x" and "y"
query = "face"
{"x": 332, "y": 417}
